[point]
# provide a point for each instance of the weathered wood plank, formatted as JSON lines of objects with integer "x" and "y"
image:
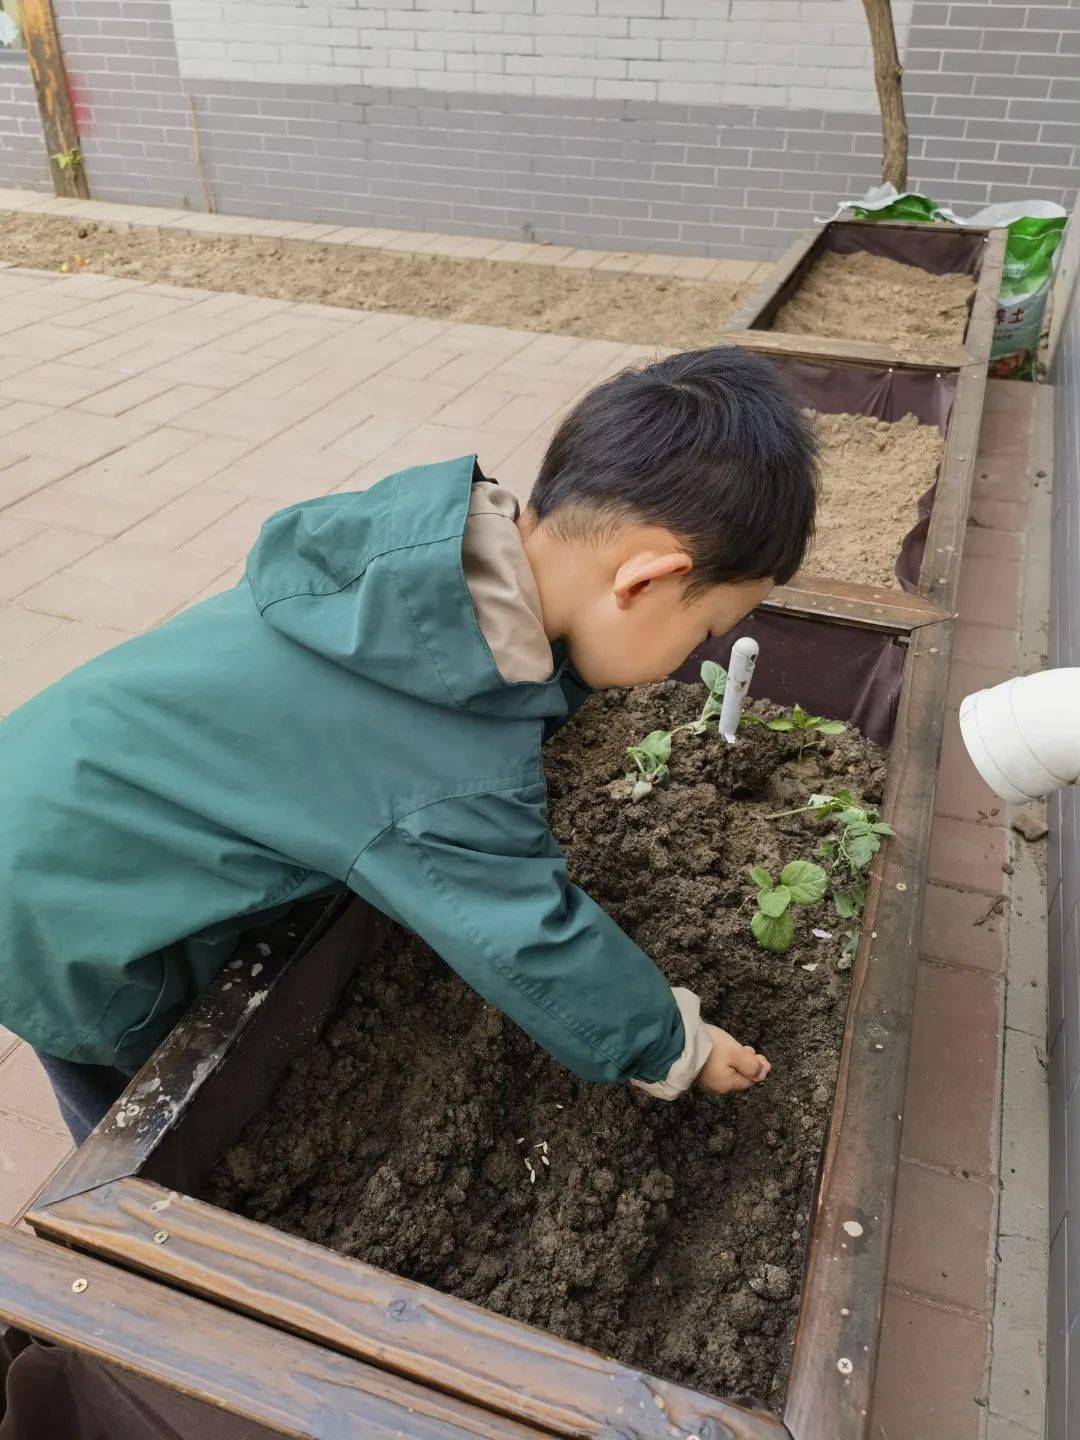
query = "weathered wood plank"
{"x": 839, "y": 602}
{"x": 53, "y": 96}
{"x": 407, "y": 1328}
{"x": 832, "y": 1377}
{"x": 794, "y": 259}
{"x": 815, "y": 347}
{"x": 939, "y": 576}
{"x": 286, "y": 1384}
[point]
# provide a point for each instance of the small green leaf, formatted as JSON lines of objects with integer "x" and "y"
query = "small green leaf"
{"x": 782, "y": 725}
{"x": 829, "y": 804}
{"x": 713, "y": 677}
{"x": 773, "y": 932}
{"x": 862, "y": 850}
{"x": 832, "y": 727}
{"x": 851, "y": 946}
{"x": 806, "y": 881}
{"x": 658, "y": 744}
{"x": 849, "y": 903}
{"x": 882, "y": 829}
{"x": 774, "y": 902}
{"x": 761, "y": 878}
{"x": 798, "y": 714}
{"x": 852, "y": 816}
{"x": 748, "y": 719}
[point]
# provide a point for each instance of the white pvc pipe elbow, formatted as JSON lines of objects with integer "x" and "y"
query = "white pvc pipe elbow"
{"x": 1024, "y": 736}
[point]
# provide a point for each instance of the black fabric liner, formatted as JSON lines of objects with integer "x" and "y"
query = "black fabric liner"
{"x": 887, "y": 394}
{"x": 841, "y": 671}
{"x": 48, "y": 1392}
{"x": 940, "y": 249}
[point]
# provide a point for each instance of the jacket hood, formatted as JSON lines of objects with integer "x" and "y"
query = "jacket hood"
{"x": 374, "y": 583}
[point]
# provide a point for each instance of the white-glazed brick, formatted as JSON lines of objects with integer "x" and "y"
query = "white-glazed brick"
{"x": 757, "y": 52}
{"x": 633, "y": 9}
{"x": 676, "y": 93}
{"x": 753, "y": 95}
{"x": 766, "y": 9}
{"x": 626, "y": 89}
{"x": 555, "y": 88}
{"x": 705, "y": 51}
{"x": 663, "y": 29}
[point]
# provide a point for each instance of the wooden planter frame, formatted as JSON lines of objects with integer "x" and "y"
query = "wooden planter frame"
{"x": 752, "y": 320}
{"x": 862, "y": 604}
{"x": 125, "y": 1196}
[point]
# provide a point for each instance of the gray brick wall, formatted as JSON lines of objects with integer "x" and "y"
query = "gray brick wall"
{"x": 23, "y": 162}
{"x": 992, "y": 92}
{"x": 1063, "y": 894}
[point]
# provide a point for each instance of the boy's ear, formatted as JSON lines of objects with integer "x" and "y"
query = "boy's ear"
{"x": 636, "y": 574}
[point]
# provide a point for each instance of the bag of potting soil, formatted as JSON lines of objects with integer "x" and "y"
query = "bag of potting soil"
{"x": 885, "y": 202}
{"x": 1035, "y": 228}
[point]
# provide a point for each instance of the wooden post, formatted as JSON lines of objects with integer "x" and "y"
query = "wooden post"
{"x": 54, "y": 99}
{"x": 887, "y": 73}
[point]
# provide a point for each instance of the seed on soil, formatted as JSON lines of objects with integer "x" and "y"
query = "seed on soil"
{"x": 256, "y": 970}
{"x": 545, "y": 1159}
{"x": 811, "y": 966}
{"x": 558, "y": 1106}
{"x": 532, "y": 1172}
{"x": 263, "y": 948}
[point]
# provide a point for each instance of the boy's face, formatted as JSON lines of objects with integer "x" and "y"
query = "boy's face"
{"x": 643, "y": 631}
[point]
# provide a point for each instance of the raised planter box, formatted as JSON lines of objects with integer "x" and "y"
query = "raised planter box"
{"x": 126, "y": 1195}
{"x": 951, "y": 398}
{"x": 938, "y": 249}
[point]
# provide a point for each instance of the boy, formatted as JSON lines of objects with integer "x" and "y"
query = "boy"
{"x": 366, "y": 710}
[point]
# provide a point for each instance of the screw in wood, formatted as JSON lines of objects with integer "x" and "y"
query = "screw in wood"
{"x": 79, "y": 1286}
{"x": 160, "y": 1236}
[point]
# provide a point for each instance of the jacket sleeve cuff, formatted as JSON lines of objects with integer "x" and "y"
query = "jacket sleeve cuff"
{"x": 696, "y": 1051}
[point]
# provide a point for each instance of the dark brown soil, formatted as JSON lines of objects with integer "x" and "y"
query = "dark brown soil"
{"x": 635, "y": 309}
{"x": 669, "y": 1235}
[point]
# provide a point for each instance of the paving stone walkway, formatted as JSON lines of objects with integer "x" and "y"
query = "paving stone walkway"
{"x": 147, "y": 431}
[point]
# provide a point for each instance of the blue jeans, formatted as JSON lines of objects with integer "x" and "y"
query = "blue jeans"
{"x": 84, "y": 1093}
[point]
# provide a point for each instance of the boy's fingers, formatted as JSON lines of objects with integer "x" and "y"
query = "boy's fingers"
{"x": 747, "y": 1062}
{"x": 765, "y": 1067}
{"x": 738, "y": 1082}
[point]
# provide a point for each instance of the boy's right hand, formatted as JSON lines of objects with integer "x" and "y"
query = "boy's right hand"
{"x": 730, "y": 1066}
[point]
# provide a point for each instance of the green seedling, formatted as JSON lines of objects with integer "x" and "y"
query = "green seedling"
{"x": 859, "y": 833}
{"x": 650, "y": 758}
{"x": 69, "y": 160}
{"x": 803, "y": 724}
{"x": 801, "y": 883}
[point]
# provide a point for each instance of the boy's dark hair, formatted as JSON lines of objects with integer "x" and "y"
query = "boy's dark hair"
{"x": 709, "y": 444}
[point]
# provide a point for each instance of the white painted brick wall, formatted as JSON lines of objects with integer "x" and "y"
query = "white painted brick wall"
{"x": 791, "y": 54}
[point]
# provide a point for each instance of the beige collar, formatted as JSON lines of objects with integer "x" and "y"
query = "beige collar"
{"x": 502, "y": 587}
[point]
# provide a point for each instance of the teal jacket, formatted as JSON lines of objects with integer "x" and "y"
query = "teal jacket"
{"x": 336, "y": 720}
